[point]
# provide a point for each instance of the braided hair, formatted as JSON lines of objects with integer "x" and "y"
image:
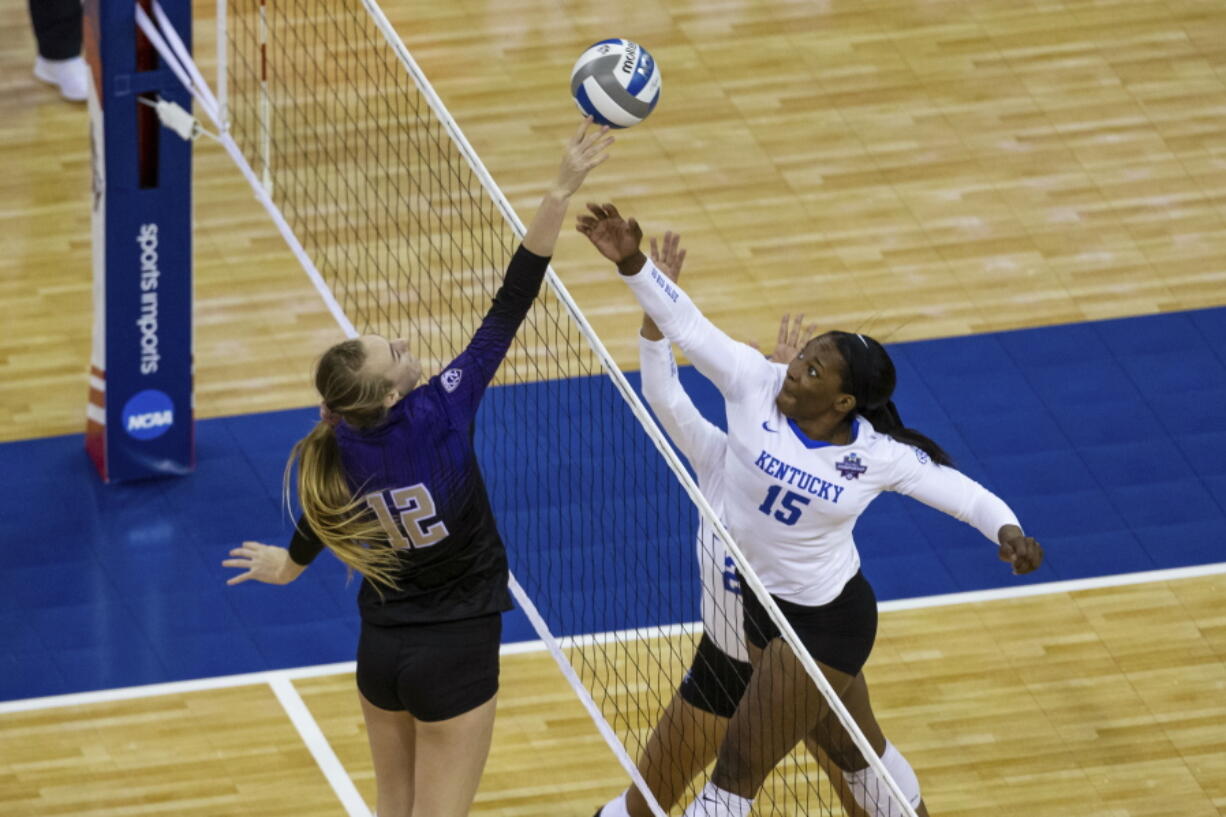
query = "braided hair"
{"x": 869, "y": 376}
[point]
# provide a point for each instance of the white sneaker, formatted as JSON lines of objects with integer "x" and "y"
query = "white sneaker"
{"x": 72, "y": 76}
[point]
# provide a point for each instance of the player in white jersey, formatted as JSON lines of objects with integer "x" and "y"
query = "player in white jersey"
{"x": 689, "y": 732}
{"x": 810, "y": 444}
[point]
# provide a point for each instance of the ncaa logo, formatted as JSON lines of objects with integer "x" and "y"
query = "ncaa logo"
{"x": 148, "y": 414}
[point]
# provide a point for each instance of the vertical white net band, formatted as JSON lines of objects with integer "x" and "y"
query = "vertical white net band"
{"x": 407, "y": 236}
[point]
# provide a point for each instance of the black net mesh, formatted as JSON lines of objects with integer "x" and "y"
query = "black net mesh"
{"x": 600, "y": 533}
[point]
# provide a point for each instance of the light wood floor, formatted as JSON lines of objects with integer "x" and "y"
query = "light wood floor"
{"x": 1098, "y": 703}
{"x": 913, "y": 169}
{"x": 910, "y": 168}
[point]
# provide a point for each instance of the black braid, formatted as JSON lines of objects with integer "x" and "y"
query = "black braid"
{"x": 869, "y": 377}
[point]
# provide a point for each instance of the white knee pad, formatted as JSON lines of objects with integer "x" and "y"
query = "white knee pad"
{"x": 873, "y": 796}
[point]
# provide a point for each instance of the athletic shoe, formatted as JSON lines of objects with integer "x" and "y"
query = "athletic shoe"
{"x": 72, "y": 76}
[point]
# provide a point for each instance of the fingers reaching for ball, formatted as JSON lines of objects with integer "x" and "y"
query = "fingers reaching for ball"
{"x": 668, "y": 256}
{"x": 616, "y": 238}
{"x": 587, "y": 148}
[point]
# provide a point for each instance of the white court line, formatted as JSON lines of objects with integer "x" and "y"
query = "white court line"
{"x": 321, "y": 750}
{"x": 1048, "y": 588}
{"x": 281, "y": 680}
{"x": 271, "y": 676}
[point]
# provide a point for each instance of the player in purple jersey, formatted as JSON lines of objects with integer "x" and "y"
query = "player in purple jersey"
{"x": 388, "y": 481}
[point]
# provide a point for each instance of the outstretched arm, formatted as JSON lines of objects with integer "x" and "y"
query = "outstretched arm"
{"x": 475, "y": 366}
{"x": 584, "y": 151}
{"x": 956, "y": 494}
{"x": 734, "y": 368}
{"x": 701, "y": 442}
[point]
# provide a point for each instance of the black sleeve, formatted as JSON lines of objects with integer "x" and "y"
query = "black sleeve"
{"x": 305, "y": 545}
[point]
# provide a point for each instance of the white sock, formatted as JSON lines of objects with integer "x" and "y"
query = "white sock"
{"x": 715, "y": 802}
{"x": 616, "y": 807}
{"x": 873, "y": 796}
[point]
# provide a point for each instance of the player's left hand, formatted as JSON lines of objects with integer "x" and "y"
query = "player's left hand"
{"x": 669, "y": 255}
{"x": 1023, "y": 552}
{"x": 264, "y": 563}
{"x": 617, "y": 238}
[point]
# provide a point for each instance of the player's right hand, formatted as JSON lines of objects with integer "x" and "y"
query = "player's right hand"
{"x": 584, "y": 151}
{"x": 616, "y": 238}
{"x": 265, "y": 563}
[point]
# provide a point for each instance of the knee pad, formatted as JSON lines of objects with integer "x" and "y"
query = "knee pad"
{"x": 872, "y": 794}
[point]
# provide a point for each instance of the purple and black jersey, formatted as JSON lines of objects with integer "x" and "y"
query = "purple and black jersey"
{"x": 418, "y": 473}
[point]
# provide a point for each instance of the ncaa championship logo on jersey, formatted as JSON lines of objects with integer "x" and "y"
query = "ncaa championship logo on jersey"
{"x": 851, "y": 467}
{"x": 451, "y": 379}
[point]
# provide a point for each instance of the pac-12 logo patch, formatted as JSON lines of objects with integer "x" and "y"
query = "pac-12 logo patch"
{"x": 451, "y": 379}
{"x": 851, "y": 467}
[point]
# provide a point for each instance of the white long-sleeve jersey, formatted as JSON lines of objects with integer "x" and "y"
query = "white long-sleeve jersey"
{"x": 705, "y": 446}
{"x": 791, "y": 502}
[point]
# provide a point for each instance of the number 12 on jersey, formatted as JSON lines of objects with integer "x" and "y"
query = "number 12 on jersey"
{"x": 790, "y": 503}
{"x": 416, "y": 508}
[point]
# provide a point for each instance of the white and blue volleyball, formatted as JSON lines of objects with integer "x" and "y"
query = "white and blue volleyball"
{"x": 616, "y": 82}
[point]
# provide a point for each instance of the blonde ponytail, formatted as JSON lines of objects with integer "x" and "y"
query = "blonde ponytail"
{"x": 343, "y": 522}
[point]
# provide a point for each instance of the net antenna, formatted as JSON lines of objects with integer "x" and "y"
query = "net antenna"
{"x": 381, "y": 184}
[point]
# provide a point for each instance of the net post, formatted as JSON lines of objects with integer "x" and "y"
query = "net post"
{"x": 139, "y": 419}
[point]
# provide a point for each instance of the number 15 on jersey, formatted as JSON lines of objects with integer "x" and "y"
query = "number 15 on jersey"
{"x": 788, "y": 508}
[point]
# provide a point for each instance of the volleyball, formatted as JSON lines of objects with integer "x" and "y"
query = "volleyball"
{"x": 616, "y": 82}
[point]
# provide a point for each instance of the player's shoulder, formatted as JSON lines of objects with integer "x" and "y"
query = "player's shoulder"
{"x": 419, "y": 409}
{"x": 891, "y": 452}
{"x": 766, "y": 381}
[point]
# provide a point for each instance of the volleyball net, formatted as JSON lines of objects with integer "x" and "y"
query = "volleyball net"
{"x": 404, "y": 233}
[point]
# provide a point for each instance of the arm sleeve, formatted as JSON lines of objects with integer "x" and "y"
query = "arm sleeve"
{"x": 950, "y": 491}
{"x": 735, "y": 368}
{"x": 305, "y": 545}
{"x": 464, "y": 380}
{"x": 700, "y": 441}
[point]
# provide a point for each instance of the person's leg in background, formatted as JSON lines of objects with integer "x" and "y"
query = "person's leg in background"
{"x": 57, "y": 28}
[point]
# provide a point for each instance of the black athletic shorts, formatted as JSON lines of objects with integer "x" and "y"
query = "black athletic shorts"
{"x": 715, "y": 680}
{"x": 839, "y": 634}
{"x": 435, "y": 671}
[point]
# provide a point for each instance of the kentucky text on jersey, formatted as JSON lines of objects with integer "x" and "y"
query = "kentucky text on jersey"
{"x": 803, "y": 480}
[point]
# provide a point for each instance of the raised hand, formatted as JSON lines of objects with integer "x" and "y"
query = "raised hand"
{"x": 793, "y": 335}
{"x": 584, "y": 151}
{"x": 616, "y": 238}
{"x": 670, "y": 259}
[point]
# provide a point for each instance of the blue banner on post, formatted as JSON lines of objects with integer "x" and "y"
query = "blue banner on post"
{"x": 139, "y": 418}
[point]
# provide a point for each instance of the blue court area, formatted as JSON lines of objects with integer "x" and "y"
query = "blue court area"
{"x": 1108, "y": 438}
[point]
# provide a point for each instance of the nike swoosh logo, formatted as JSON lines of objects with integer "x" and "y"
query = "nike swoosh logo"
{"x": 768, "y": 428}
